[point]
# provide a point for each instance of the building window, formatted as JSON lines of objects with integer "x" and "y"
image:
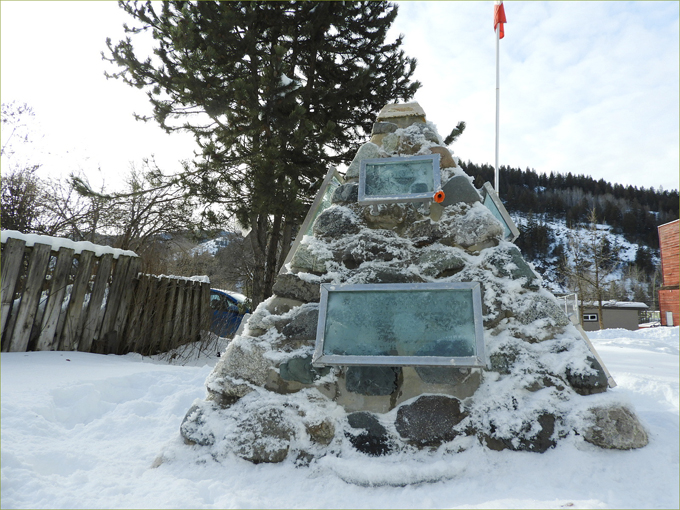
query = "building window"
{"x": 589, "y": 317}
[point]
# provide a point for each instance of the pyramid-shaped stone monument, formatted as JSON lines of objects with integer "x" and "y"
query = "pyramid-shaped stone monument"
{"x": 406, "y": 320}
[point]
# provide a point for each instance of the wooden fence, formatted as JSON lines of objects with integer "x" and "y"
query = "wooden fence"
{"x": 58, "y": 299}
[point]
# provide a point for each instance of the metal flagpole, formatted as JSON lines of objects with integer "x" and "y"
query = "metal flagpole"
{"x": 498, "y": 38}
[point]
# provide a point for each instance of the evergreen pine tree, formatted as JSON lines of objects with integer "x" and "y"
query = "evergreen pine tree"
{"x": 274, "y": 93}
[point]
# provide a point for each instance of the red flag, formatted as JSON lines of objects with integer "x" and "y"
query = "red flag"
{"x": 499, "y": 17}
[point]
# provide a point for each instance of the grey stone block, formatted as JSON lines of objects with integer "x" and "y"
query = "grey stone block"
{"x": 588, "y": 384}
{"x": 264, "y": 437}
{"x": 346, "y": 194}
{"x": 459, "y": 189}
{"x": 508, "y": 262}
{"x": 366, "y": 151}
{"x": 615, "y": 427}
{"x": 289, "y": 285}
{"x": 336, "y": 222}
{"x": 381, "y": 128}
{"x": 193, "y": 428}
{"x": 539, "y": 442}
{"x": 301, "y": 326}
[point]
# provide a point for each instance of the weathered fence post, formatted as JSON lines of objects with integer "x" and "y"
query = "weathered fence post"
{"x": 37, "y": 269}
{"x": 50, "y": 319}
{"x": 12, "y": 257}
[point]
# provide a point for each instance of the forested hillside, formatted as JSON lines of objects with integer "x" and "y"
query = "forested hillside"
{"x": 631, "y": 211}
{"x": 555, "y": 213}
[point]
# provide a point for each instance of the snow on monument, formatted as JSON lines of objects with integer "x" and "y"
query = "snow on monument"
{"x": 401, "y": 324}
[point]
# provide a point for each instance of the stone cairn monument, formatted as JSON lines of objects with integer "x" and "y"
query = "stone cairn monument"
{"x": 539, "y": 381}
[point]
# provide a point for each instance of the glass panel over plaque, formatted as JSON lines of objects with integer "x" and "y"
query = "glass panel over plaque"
{"x": 401, "y": 179}
{"x": 494, "y": 204}
{"x": 429, "y": 324}
{"x": 322, "y": 201}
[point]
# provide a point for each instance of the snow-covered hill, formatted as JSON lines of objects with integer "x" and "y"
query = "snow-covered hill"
{"x": 560, "y": 235}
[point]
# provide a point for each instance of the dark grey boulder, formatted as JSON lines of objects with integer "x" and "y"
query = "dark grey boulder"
{"x": 289, "y": 285}
{"x": 381, "y": 128}
{"x": 430, "y": 420}
{"x": 336, "y": 222}
{"x": 588, "y": 383}
{"x": 372, "y": 380}
{"x": 367, "y": 434}
{"x": 301, "y": 326}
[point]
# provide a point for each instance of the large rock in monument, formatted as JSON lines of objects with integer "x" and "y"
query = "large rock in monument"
{"x": 267, "y": 402}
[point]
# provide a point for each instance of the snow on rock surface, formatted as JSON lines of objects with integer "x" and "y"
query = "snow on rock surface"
{"x": 541, "y": 384}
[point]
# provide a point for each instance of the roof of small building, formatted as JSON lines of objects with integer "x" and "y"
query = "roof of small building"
{"x": 617, "y": 304}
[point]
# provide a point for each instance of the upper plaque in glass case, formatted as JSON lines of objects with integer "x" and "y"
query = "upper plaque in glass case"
{"x": 399, "y": 179}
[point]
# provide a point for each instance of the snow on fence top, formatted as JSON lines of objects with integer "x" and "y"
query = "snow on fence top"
{"x": 56, "y": 243}
{"x": 196, "y": 278}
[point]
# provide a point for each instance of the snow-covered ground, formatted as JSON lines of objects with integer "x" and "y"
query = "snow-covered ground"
{"x": 85, "y": 431}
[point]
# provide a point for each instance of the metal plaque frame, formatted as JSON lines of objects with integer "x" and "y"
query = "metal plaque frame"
{"x": 477, "y": 360}
{"x": 313, "y": 212}
{"x": 401, "y": 197}
{"x": 490, "y": 194}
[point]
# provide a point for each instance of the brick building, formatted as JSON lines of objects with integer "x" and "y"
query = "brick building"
{"x": 669, "y": 295}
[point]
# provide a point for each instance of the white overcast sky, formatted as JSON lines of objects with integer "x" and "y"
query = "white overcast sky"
{"x": 586, "y": 87}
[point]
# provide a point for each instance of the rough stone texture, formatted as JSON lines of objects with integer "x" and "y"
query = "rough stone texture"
{"x": 372, "y": 380}
{"x": 403, "y": 115}
{"x": 346, "y": 194}
{"x": 264, "y": 436}
{"x": 441, "y": 262}
{"x": 242, "y": 366}
{"x": 381, "y": 128}
{"x": 366, "y": 151}
{"x": 370, "y": 245}
{"x": 336, "y": 222}
{"x": 373, "y": 438}
{"x": 430, "y": 420}
{"x": 615, "y": 427}
{"x": 588, "y": 384}
{"x": 301, "y": 370}
{"x": 321, "y": 433}
{"x": 507, "y": 261}
{"x": 308, "y": 261}
{"x": 302, "y": 326}
{"x": 384, "y": 274}
{"x": 445, "y": 158}
{"x": 280, "y": 305}
{"x": 193, "y": 428}
{"x": 538, "y": 442}
{"x": 459, "y": 189}
{"x": 289, "y": 285}
{"x": 537, "y": 307}
{"x": 502, "y": 360}
{"x": 467, "y": 226}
